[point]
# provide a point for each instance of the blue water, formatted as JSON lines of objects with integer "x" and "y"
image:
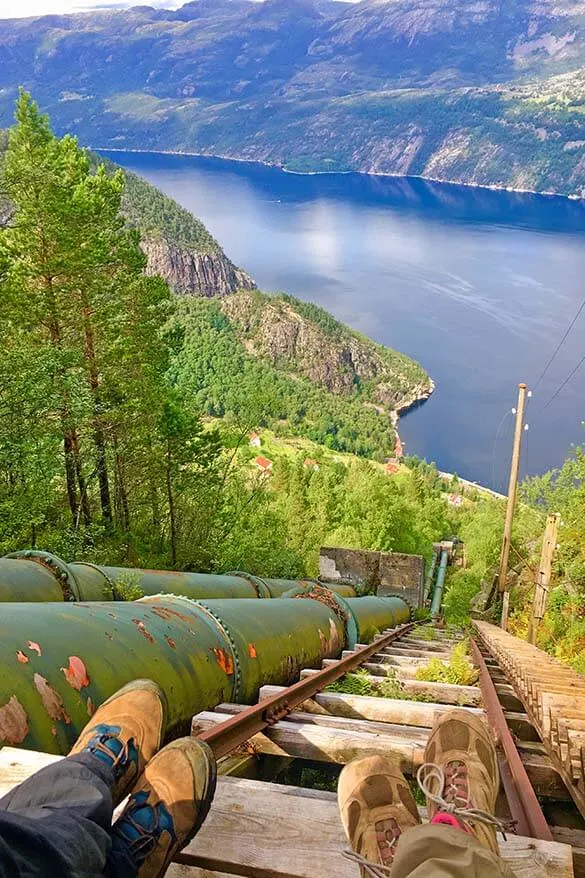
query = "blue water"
{"x": 478, "y": 286}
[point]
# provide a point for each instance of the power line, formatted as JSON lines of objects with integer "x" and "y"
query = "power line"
{"x": 496, "y": 437}
{"x": 563, "y": 385}
{"x": 560, "y": 344}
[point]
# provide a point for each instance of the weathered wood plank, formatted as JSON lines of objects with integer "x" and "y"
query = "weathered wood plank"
{"x": 17, "y": 765}
{"x": 447, "y": 693}
{"x": 263, "y": 830}
{"x": 322, "y": 744}
{"x": 366, "y": 707}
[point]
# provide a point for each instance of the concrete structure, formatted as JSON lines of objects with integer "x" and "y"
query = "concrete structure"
{"x": 382, "y": 573}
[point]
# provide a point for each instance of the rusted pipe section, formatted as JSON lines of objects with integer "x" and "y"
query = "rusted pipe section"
{"x": 59, "y": 661}
{"x": 32, "y": 575}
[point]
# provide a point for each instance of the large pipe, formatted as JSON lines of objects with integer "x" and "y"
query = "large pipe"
{"x": 439, "y": 585}
{"x": 59, "y": 661}
{"x": 431, "y": 575}
{"x": 40, "y": 576}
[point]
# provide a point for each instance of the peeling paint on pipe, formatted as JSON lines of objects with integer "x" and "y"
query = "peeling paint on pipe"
{"x": 59, "y": 661}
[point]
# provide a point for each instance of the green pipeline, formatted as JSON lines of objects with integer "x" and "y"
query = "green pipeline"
{"x": 60, "y": 661}
{"x": 39, "y": 576}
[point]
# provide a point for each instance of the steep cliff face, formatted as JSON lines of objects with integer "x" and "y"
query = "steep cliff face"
{"x": 297, "y": 337}
{"x": 189, "y": 272}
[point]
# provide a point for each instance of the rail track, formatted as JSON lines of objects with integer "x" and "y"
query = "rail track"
{"x": 258, "y": 828}
{"x": 540, "y": 756}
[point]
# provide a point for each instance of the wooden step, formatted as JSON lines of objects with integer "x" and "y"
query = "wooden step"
{"x": 448, "y": 693}
{"x": 269, "y": 831}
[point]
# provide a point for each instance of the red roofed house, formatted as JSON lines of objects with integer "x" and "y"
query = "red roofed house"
{"x": 263, "y": 464}
{"x": 255, "y": 440}
{"x": 391, "y": 468}
{"x": 311, "y": 464}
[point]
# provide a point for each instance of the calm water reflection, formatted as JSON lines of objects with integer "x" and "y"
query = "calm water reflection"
{"x": 477, "y": 285}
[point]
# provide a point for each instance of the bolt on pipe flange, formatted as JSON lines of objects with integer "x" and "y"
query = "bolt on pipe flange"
{"x": 225, "y": 631}
{"x": 60, "y": 570}
{"x": 114, "y": 595}
{"x": 258, "y": 584}
{"x": 402, "y": 597}
{"x": 336, "y": 603}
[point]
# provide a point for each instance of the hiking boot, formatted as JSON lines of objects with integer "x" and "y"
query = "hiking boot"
{"x": 125, "y": 732}
{"x": 168, "y": 805}
{"x": 376, "y": 807}
{"x": 460, "y": 777}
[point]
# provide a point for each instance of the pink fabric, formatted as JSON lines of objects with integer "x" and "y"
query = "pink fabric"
{"x": 441, "y": 817}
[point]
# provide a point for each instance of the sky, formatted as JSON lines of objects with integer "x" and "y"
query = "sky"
{"x": 24, "y": 8}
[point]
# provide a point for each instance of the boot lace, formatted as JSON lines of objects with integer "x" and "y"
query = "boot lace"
{"x": 373, "y": 870}
{"x": 435, "y": 783}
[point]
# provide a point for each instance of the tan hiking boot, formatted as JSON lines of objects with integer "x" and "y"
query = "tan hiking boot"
{"x": 460, "y": 777}
{"x": 168, "y": 805}
{"x": 125, "y": 732}
{"x": 376, "y": 807}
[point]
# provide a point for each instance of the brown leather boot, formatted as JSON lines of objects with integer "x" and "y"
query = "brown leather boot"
{"x": 460, "y": 777}
{"x": 125, "y": 732}
{"x": 376, "y": 807}
{"x": 168, "y": 804}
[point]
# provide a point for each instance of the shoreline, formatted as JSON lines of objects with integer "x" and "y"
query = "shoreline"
{"x": 491, "y": 187}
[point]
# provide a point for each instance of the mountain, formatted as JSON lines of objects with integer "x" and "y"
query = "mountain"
{"x": 478, "y": 91}
{"x": 178, "y": 246}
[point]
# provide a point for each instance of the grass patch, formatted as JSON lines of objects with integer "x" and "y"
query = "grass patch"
{"x": 361, "y": 683}
{"x": 458, "y": 669}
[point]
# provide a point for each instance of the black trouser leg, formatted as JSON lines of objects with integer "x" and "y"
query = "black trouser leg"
{"x": 57, "y": 823}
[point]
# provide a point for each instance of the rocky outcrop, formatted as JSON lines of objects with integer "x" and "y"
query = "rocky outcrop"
{"x": 325, "y": 351}
{"x": 188, "y": 272}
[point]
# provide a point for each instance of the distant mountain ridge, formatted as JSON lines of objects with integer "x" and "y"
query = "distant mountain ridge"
{"x": 487, "y": 92}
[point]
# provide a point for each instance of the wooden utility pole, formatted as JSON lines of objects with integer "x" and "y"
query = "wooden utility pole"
{"x": 549, "y": 545}
{"x": 512, "y": 488}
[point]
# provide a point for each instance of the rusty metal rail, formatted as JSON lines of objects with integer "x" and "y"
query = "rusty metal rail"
{"x": 553, "y": 696}
{"x": 524, "y": 805}
{"x": 235, "y": 731}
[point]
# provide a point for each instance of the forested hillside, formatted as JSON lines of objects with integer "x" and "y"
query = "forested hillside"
{"x": 105, "y": 379}
{"x": 488, "y": 93}
{"x": 291, "y": 366}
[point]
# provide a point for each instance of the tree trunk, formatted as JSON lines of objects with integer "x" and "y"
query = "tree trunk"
{"x": 171, "y": 502}
{"x": 83, "y": 496}
{"x": 120, "y": 491}
{"x": 98, "y": 433}
{"x": 70, "y": 472}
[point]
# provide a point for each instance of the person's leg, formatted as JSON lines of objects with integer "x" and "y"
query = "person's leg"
{"x": 168, "y": 805}
{"x": 58, "y": 822}
{"x": 376, "y": 807}
{"x": 460, "y": 779}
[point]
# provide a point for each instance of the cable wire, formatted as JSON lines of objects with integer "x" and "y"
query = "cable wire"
{"x": 560, "y": 344}
{"x": 563, "y": 385}
{"x": 508, "y": 412}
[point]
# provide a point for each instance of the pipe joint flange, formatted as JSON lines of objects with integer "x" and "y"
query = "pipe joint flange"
{"x": 60, "y": 570}
{"x": 406, "y": 600}
{"x": 225, "y": 631}
{"x": 109, "y": 582}
{"x": 336, "y": 603}
{"x": 259, "y": 586}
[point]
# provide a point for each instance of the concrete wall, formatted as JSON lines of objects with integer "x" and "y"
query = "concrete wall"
{"x": 379, "y": 572}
